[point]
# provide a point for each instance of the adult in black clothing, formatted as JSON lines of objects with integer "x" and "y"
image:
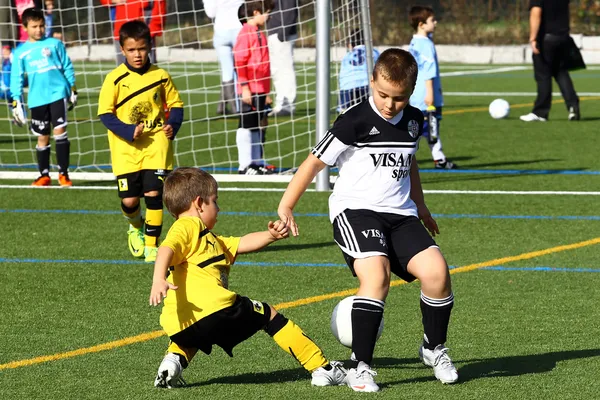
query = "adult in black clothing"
{"x": 549, "y": 40}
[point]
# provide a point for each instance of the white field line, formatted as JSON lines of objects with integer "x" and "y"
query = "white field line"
{"x": 248, "y": 189}
{"x": 484, "y": 71}
{"x": 511, "y": 94}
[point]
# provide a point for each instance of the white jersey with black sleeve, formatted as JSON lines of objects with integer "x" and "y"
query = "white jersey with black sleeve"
{"x": 374, "y": 156}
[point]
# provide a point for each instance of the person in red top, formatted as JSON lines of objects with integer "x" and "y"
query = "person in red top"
{"x": 152, "y": 12}
{"x": 251, "y": 58}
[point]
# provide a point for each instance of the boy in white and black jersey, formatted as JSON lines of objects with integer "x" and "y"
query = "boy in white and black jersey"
{"x": 375, "y": 209}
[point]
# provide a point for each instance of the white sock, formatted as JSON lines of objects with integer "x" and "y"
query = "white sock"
{"x": 243, "y": 139}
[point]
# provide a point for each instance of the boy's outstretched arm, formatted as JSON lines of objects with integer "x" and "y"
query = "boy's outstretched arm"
{"x": 160, "y": 286}
{"x": 257, "y": 240}
{"x": 297, "y": 186}
{"x": 416, "y": 194}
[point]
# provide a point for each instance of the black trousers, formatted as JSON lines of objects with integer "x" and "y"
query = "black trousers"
{"x": 548, "y": 64}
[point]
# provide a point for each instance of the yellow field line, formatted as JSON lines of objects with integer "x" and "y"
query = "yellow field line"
{"x": 144, "y": 337}
{"x": 524, "y": 105}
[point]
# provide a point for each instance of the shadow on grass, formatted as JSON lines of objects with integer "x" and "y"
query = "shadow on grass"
{"x": 300, "y": 246}
{"x": 470, "y": 369}
{"x": 259, "y": 378}
{"x": 496, "y": 367}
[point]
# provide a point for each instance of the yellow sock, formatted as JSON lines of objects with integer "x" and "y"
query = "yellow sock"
{"x": 188, "y": 353}
{"x": 154, "y": 219}
{"x": 133, "y": 215}
{"x": 291, "y": 339}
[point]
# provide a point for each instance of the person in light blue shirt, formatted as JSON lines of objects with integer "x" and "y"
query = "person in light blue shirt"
{"x": 353, "y": 80}
{"x": 427, "y": 95}
{"x": 51, "y": 89}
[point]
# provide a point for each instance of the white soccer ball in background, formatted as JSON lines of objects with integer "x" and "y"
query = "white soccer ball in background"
{"x": 499, "y": 109}
{"x": 341, "y": 322}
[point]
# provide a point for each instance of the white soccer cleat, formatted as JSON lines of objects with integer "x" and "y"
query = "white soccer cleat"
{"x": 441, "y": 363}
{"x": 336, "y": 376}
{"x": 169, "y": 372}
{"x": 531, "y": 117}
{"x": 360, "y": 379}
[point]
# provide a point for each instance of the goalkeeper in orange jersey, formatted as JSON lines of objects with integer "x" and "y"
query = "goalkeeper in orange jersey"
{"x": 191, "y": 273}
{"x": 132, "y": 106}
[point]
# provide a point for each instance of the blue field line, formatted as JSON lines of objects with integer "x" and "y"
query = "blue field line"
{"x": 323, "y": 215}
{"x": 281, "y": 264}
{"x": 234, "y": 170}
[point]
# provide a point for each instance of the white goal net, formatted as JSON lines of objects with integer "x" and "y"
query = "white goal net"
{"x": 185, "y": 49}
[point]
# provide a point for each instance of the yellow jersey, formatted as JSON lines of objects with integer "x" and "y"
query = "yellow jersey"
{"x": 200, "y": 269}
{"x": 139, "y": 98}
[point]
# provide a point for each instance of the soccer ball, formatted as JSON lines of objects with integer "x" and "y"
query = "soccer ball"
{"x": 499, "y": 109}
{"x": 341, "y": 322}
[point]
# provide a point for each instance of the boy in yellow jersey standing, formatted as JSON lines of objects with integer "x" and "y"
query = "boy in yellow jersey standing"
{"x": 191, "y": 273}
{"x": 132, "y": 106}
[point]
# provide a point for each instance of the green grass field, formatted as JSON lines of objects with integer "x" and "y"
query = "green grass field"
{"x": 76, "y": 322}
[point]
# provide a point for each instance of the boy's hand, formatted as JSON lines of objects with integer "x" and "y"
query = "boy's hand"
{"x": 428, "y": 221}
{"x": 428, "y": 98}
{"x": 287, "y": 217}
{"x": 168, "y": 129}
{"x": 268, "y": 100}
{"x": 139, "y": 129}
{"x": 246, "y": 95}
{"x": 159, "y": 291}
{"x": 278, "y": 230}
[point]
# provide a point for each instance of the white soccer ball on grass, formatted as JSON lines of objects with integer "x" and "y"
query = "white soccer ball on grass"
{"x": 341, "y": 322}
{"x": 499, "y": 109}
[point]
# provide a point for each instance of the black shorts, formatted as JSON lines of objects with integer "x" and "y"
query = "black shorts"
{"x": 365, "y": 233}
{"x": 53, "y": 113}
{"x": 135, "y": 184}
{"x": 226, "y": 328}
{"x": 251, "y": 115}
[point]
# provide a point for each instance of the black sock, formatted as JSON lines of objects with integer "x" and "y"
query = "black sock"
{"x": 366, "y": 317}
{"x": 63, "y": 148}
{"x": 43, "y": 158}
{"x": 436, "y": 317}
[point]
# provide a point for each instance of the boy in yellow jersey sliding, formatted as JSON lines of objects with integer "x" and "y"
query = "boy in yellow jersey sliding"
{"x": 132, "y": 106}
{"x": 191, "y": 273}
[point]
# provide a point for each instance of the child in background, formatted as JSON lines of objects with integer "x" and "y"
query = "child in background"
{"x": 191, "y": 273}
{"x": 133, "y": 102}
{"x": 251, "y": 56}
{"x": 427, "y": 96}
{"x": 353, "y": 80}
{"x": 51, "y": 88}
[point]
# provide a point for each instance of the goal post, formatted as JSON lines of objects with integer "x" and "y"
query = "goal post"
{"x": 185, "y": 50}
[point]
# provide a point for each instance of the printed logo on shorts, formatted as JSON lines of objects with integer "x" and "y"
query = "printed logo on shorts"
{"x": 413, "y": 128}
{"x": 40, "y": 125}
{"x": 375, "y": 234}
{"x": 258, "y": 307}
{"x": 123, "y": 187}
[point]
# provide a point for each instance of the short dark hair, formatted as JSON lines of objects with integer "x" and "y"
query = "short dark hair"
{"x": 183, "y": 185}
{"x": 419, "y": 14}
{"x": 136, "y": 30}
{"x": 396, "y": 66}
{"x": 32, "y": 14}
{"x": 246, "y": 10}
{"x": 356, "y": 38}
